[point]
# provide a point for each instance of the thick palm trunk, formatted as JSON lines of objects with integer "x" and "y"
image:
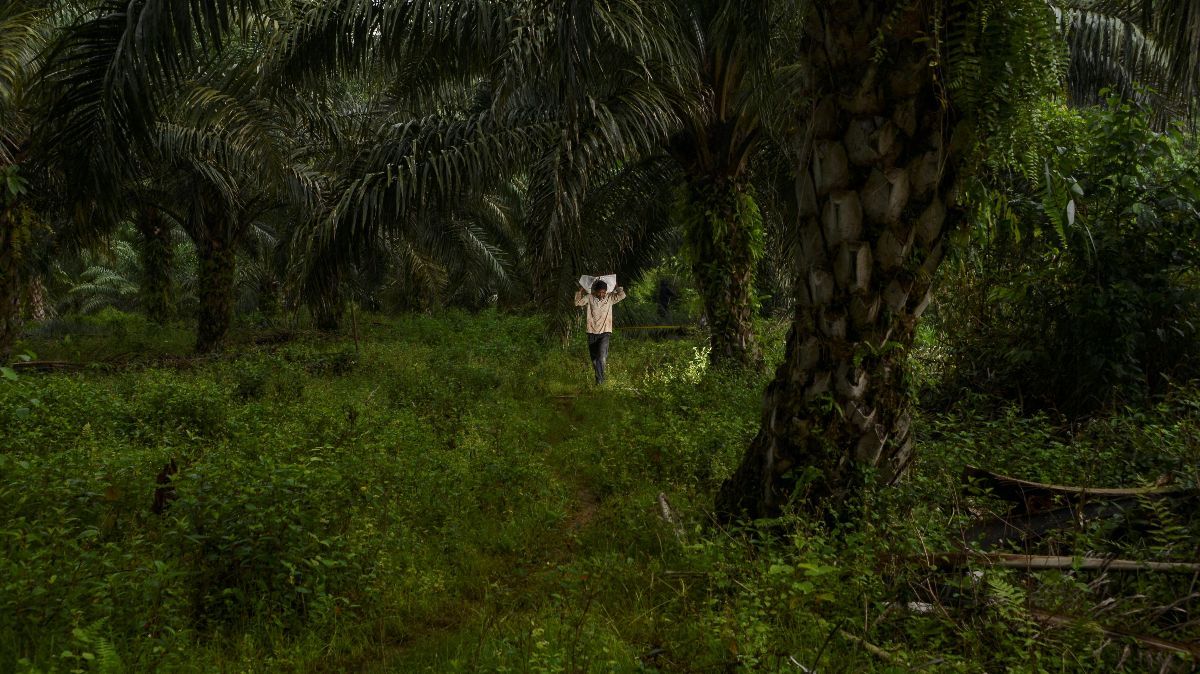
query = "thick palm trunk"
{"x": 552, "y": 290}
{"x": 35, "y": 299}
{"x": 157, "y": 258}
{"x": 724, "y": 235}
{"x": 322, "y": 291}
{"x": 270, "y": 300}
{"x": 10, "y": 278}
{"x": 874, "y": 189}
{"x": 327, "y": 307}
{"x": 217, "y": 267}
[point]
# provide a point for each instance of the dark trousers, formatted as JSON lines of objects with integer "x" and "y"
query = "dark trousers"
{"x": 598, "y": 349}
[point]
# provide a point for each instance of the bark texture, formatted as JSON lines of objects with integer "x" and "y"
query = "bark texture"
{"x": 327, "y": 307}
{"x": 15, "y": 225}
{"x": 216, "y": 276}
{"x": 35, "y": 299}
{"x": 724, "y": 235}
{"x": 876, "y": 194}
{"x": 157, "y": 258}
{"x": 322, "y": 291}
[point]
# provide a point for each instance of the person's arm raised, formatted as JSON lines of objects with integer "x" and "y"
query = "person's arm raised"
{"x": 618, "y": 295}
{"x": 580, "y": 298}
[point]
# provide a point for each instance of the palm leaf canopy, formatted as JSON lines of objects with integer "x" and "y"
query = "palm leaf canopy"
{"x": 1128, "y": 44}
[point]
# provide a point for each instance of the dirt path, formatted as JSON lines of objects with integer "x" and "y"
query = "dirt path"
{"x": 586, "y": 502}
{"x": 528, "y": 576}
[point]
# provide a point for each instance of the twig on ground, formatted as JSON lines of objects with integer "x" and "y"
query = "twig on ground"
{"x": 869, "y": 647}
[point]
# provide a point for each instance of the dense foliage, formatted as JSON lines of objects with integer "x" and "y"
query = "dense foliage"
{"x": 1083, "y": 291}
{"x": 452, "y": 496}
{"x": 290, "y": 379}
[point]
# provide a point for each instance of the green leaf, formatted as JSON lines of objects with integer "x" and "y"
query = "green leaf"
{"x": 8, "y": 373}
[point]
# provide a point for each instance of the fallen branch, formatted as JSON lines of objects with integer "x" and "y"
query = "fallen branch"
{"x": 869, "y": 647}
{"x": 46, "y": 365}
{"x": 1144, "y": 640}
{"x": 1030, "y": 496}
{"x": 1039, "y": 562}
{"x": 1027, "y": 527}
{"x": 1156, "y": 643}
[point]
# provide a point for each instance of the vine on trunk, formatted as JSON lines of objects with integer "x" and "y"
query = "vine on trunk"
{"x": 723, "y": 234}
{"x": 17, "y": 225}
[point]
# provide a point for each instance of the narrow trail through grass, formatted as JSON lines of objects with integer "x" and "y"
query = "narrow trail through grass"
{"x": 586, "y": 502}
{"x": 524, "y": 589}
{"x": 453, "y": 495}
{"x": 515, "y": 584}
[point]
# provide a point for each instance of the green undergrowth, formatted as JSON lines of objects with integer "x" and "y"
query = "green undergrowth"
{"x": 452, "y": 494}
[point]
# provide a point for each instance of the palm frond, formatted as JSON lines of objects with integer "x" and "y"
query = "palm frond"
{"x": 1127, "y": 44}
{"x": 22, "y": 34}
{"x": 431, "y": 161}
{"x": 419, "y": 42}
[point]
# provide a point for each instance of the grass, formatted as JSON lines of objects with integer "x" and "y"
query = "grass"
{"x": 452, "y": 494}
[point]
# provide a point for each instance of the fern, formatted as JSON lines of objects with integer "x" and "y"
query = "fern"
{"x": 109, "y": 661}
{"x": 98, "y": 650}
{"x": 1168, "y": 533}
{"x": 1003, "y": 58}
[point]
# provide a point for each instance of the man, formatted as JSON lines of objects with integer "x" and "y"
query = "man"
{"x": 599, "y": 321}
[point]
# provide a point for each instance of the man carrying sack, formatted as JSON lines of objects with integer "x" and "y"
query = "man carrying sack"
{"x": 599, "y": 305}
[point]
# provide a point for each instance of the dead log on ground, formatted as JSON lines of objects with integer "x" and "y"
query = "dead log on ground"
{"x": 1146, "y": 641}
{"x": 1027, "y": 528}
{"x": 46, "y": 365}
{"x": 1061, "y": 562}
{"x": 1028, "y": 496}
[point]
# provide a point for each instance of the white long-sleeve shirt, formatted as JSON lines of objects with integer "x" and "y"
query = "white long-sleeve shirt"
{"x": 599, "y": 311}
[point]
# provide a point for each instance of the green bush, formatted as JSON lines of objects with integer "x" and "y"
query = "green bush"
{"x": 1084, "y": 293}
{"x": 164, "y": 403}
{"x": 263, "y": 538}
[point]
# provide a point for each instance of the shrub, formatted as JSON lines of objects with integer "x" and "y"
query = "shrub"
{"x": 168, "y": 403}
{"x": 1084, "y": 292}
{"x": 262, "y": 537}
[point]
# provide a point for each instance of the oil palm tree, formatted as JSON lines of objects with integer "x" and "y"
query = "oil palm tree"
{"x": 574, "y": 91}
{"x": 901, "y": 93}
{"x": 23, "y": 32}
{"x": 229, "y": 162}
{"x": 898, "y": 90}
{"x": 479, "y": 245}
{"x": 107, "y": 73}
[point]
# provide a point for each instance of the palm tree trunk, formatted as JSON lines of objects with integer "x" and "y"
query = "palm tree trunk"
{"x": 327, "y": 306}
{"x": 157, "y": 257}
{"x": 35, "y": 299}
{"x": 875, "y": 188}
{"x": 215, "y": 278}
{"x": 322, "y": 291}
{"x": 10, "y": 280}
{"x": 269, "y": 297}
{"x": 15, "y": 233}
{"x": 724, "y": 234}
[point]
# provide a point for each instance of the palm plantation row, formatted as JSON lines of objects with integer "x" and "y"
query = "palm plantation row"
{"x": 468, "y": 150}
